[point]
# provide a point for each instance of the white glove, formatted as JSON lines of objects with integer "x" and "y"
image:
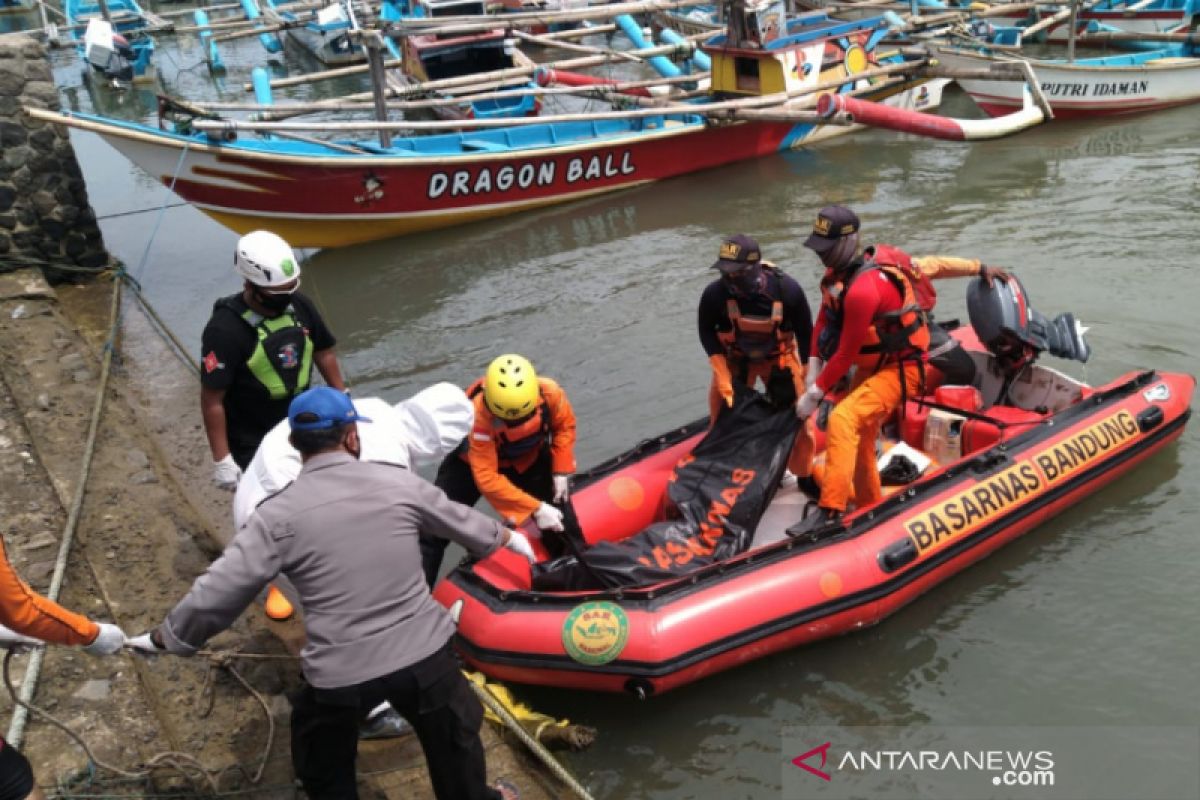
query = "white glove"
{"x": 108, "y": 641}
{"x": 144, "y": 644}
{"x": 11, "y": 639}
{"x": 809, "y": 401}
{"x": 562, "y": 488}
{"x": 519, "y": 544}
{"x": 226, "y": 473}
{"x": 812, "y": 370}
{"x": 548, "y": 518}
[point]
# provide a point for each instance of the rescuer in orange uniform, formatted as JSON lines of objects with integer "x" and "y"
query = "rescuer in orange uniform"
{"x": 520, "y": 453}
{"x": 754, "y": 325}
{"x": 28, "y": 618}
{"x": 875, "y": 317}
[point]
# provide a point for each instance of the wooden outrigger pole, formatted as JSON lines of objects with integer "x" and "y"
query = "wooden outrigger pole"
{"x": 500, "y": 74}
{"x": 472, "y": 94}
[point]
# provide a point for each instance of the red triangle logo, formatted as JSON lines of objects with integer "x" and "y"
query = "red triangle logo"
{"x": 800, "y": 759}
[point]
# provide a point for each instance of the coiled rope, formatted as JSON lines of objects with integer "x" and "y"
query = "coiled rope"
{"x": 185, "y": 764}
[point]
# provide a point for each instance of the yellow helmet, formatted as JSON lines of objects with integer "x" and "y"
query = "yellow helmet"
{"x": 510, "y": 388}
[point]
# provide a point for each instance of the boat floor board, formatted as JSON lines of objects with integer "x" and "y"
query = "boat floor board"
{"x": 786, "y": 509}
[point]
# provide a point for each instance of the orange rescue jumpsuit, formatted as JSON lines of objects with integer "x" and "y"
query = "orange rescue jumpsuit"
{"x": 27, "y": 612}
{"x": 554, "y": 418}
{"x": 851, "y": 473}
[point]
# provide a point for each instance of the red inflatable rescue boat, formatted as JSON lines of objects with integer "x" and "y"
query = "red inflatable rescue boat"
{"x": 1020, "y": 445}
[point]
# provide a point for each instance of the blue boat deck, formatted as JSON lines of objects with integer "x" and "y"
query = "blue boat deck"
{"x": 496, "y": 140}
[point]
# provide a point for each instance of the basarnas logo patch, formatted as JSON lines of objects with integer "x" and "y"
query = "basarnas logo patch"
{"x": 595, "y": 633}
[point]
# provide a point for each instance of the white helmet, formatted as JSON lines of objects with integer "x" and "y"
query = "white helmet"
{"x": 265, "y": 260}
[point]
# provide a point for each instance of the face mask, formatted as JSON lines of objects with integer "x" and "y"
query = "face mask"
{"x": 841, "y": 254}
{"x": 275, "y": 303}
{"x": 746, "y": 281}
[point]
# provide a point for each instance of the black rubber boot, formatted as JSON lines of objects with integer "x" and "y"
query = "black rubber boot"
{"x": 817, "y": 524}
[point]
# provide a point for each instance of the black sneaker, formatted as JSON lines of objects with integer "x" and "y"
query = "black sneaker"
{"x": 817, "y": 524}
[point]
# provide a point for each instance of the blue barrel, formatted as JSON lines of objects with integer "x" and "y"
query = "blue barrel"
{"x": 661, "y": 64}
{"x": 268, "y": 40}
{"x": 260, "y": 79}
{"x": 211, "y": 53}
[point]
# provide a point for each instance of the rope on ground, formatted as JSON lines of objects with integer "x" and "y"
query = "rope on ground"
{"x": 488, "y": 699}
{"x": 119, "y": 272}
{"x": 186, "y": 765}
{"x": 73, "y": 506}
{"x": 16, "y": 730}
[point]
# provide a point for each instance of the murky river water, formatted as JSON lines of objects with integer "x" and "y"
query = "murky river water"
{"x": 1092, "y": 619}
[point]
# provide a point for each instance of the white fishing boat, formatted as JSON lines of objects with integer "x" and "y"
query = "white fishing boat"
{"x": 1089, "y": 87}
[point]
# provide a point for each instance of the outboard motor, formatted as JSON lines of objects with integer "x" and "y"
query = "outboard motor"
{"x": 108, "y": 51}
{"x": 1015, "y": 333}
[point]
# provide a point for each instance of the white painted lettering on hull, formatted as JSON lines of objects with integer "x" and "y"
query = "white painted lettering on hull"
{"x": 490, "y": 180}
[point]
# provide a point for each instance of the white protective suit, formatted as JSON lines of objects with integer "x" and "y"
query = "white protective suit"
{"x": 415, "y": 432}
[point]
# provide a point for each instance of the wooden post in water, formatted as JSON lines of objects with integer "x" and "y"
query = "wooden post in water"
{"x": 374, "y": 46}
{"x": 104, "y": 12}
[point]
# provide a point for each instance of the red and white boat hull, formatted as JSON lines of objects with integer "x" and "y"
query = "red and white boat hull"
{"x": 317, "y": 200}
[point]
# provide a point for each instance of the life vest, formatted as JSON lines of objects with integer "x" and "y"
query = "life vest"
{"x": 893, "y": 336}
{"x": 757, "y": 339}
{"x": 514, "y": 441}
{"x": 282, "y": 357}
{"x": 884, "y": 255}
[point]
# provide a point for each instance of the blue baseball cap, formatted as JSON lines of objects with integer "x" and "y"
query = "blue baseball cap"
{"x": 330, "y": 407}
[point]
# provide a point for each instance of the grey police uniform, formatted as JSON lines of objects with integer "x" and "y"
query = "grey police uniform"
{"x": 345, "y": 534}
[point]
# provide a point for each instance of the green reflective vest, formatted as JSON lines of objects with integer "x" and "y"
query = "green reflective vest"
{"x": 282, "y": 359}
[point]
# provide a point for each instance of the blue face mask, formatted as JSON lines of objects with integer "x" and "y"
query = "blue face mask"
{"x": 745, "y": 281}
